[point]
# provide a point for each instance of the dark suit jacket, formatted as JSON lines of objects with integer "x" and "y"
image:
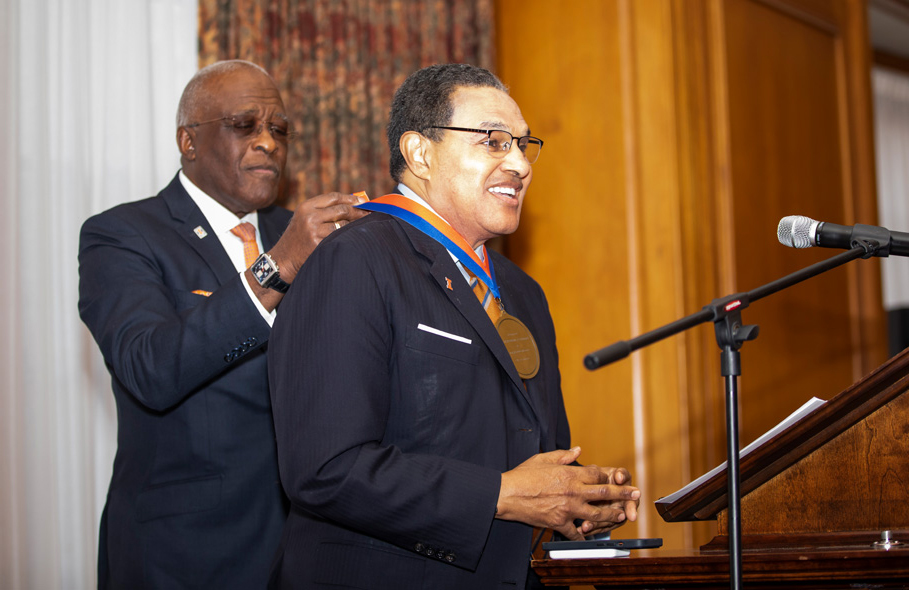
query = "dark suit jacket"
{"x": 194, "y": 500}
{"x": 392, "y": 439}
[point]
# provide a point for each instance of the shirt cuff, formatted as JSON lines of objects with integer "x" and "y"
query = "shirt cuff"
{"x": 268, "y": 316}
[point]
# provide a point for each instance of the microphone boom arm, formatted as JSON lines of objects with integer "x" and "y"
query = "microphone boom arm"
{"x": 719, "y": 308}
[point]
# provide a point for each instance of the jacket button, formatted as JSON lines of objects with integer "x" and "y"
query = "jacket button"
{"x": 450, "y": 558}
{"x": 429, "y": 551}
{"x": 418, "y": 547}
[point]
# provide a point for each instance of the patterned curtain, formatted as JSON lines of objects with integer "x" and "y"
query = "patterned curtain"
{"x": 338, "y": 63}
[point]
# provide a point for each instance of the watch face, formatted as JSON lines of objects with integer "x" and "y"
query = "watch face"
{"x": 266, "y": 274}
{"x": 262, "y": 269}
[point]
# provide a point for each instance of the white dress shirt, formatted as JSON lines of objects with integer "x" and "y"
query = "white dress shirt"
{"x": 222, "y": 221}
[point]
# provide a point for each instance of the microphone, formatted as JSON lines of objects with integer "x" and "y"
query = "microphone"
{"x": 798, "y": 231}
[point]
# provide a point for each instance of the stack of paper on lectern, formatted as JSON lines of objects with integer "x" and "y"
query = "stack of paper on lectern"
{"x": 807, "y": 408}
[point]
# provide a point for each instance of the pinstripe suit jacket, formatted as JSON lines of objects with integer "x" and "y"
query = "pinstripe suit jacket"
{"x": 392, "y": 438}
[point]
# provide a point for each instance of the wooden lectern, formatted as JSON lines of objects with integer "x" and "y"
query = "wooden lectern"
{"x": 815, "y": 501}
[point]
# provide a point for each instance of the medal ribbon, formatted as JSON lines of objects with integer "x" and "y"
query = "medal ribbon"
{"x": 435, "y": 227}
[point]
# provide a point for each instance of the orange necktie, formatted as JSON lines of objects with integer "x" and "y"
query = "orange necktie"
{"x": 247, "y": 232}
{"x": 485, "y": 296}
{"x": 489, "y": 303}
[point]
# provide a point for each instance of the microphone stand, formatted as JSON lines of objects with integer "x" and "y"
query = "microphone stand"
{"x": 731, "y": 334}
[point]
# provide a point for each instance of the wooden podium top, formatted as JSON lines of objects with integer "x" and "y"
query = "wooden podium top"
{"x": 844, "y": 467}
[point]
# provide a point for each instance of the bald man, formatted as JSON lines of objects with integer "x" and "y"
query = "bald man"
{"x": 180, "y": 291}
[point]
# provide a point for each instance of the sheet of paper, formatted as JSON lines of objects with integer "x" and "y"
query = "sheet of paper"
{"x": 588, "y": 553}
{"x": 807, "y": 408}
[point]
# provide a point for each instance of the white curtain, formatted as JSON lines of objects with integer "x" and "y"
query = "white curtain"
{"x": 91, "y": 88}
{"x": 891, "y": 122}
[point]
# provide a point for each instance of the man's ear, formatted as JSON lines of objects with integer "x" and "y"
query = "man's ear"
{"x": 186, "y": 143}
{"x": 418, "y": 153}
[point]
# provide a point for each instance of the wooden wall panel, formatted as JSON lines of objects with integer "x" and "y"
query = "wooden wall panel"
{"x": 574, "y": 234}
{"x": 601, "y": 225}
{"x": 705, "y": 201}
{"x": 678, "y": 133}
{"x": 656, "y": 271}
{"x": 786, "y": 138}
{"x": 791, "y": 139}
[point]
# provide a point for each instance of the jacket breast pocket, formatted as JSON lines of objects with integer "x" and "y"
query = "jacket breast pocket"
{"x": 446, "y": 344}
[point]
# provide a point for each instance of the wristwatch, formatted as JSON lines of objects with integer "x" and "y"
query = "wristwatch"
{"x": 266, "y": 272}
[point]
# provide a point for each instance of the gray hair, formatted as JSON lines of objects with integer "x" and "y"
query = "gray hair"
{"x": 194, "y": 96}
{"x": 424, "y": 101}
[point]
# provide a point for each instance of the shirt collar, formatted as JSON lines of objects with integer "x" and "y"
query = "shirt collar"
{"x": 218, "y": 216}
{"x": 407, "y": 192}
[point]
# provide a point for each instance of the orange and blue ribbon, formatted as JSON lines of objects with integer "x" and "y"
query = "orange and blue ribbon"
{"x": 435, "y": 227}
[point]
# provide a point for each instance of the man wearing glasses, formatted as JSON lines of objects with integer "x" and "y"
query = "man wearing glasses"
{"x": 180, "y": 300}
{"x": 414, "y": 376}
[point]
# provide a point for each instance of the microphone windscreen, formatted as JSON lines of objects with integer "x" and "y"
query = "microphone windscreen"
{"x": 795, "y": 231}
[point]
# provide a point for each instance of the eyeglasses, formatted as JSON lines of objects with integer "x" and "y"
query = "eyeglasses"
{"x": 244, "y": 126}
{"x": 498, "y": 142}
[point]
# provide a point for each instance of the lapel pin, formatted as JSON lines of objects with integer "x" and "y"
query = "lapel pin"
{"x": 448, "y": 284}
{"x": 200, "y": 231}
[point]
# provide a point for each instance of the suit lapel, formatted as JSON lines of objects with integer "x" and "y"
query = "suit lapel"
{"x": 463, "y": 298}
{"x": 271, "y": 226}
{"x": 536, "y": 387}
{"x": 188, "y": 217}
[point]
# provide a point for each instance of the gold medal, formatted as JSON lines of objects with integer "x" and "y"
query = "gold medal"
{"x": 520, "y": 344}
